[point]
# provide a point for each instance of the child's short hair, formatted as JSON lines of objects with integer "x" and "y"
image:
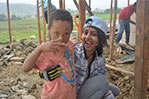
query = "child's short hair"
{"x": 62, "y": 15}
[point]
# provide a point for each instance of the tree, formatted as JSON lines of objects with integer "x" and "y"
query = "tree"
{"x": 86, "y": 7}
{"x": 13, "y": 17}
{"x": 3, "y": 17}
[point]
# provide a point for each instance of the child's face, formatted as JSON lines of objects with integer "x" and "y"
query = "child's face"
{"x": 60, "y": 29}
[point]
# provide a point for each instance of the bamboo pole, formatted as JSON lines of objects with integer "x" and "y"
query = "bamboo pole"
{"x": 111, "y": 14}
{"x": 89, "y": 6}
{"x": 62, "y": 4}
{"x": 38, "y": 20}
{"x": 49, "y": 10}
{"x": 113, "y": 33}
{"x": 44, "y": 23}
{"x": 128, "y": 2}
{"x": 9, "y": 26}
{"x": 90, "y": 3}
{"x": 119, "y": 70}
{"x": 81, "y": 17}
{"x": 142, "y": 49}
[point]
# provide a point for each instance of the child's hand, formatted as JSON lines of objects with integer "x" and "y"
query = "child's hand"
{"x": 51, "y": 45}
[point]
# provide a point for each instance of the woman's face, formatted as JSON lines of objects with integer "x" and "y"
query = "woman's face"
{"x": 90, "y": 39}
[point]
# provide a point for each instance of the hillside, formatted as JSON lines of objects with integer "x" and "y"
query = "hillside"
{"x": 18, "y": 9}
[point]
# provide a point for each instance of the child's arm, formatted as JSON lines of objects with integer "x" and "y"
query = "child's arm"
{"x": 30, "y": 61}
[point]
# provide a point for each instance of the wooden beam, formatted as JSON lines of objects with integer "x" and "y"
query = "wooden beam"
{"x": 113, "y": 30}
{"x": 119, "y": 70}
{"x": 9, "y": 26}
{"x": 81, "y": 17}
{"x": 44, "y": 23}
{"x": 128, "y": 2}
{"x": 49, "y": 10}
{"x": 62, "y": 4}
{"x": 142, "y": 49}
{"x": 38, "y": 20}
{"x": 111, "y": 15}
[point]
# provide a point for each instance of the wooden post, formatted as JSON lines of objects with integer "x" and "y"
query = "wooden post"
{"x": 38, "y": 20}
{"x": 89, "y": 3}
{"x": 142, "y": 49}
{"x": 49, "y": 9}
{"x": 128, "y": 2}
{"x": 113, "y": 32}
{"x": 81, "y": 17}
{"x": 44, "y": 23}
{"x": 62, "y": 4}
{"x": 111, "y": 14}
{"x": 10, "y": 39}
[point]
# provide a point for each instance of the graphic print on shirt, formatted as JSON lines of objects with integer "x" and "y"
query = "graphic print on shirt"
{"x": 67, "y": 55}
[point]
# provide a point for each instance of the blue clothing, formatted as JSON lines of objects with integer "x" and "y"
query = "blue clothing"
{"x": 124, "y": 25}
{"x": 82, "y": 72}
{"x": 45, "y": 2}
{"x": 53, "y": 8}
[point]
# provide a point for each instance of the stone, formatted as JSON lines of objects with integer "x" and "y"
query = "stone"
{"x": 17, "y": 63}
{"x": 29, "y": 97}
{"x": 3, "y": 96}
{"x": 18, "y": 53}
{"x": 30, "y": 85}
{"x": 29, "y": 49}
{"x": 17, "y": 59}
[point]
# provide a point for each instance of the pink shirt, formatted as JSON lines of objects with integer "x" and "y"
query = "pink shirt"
{"x": 126, "y": 13}
{"x": 58, "y": 88}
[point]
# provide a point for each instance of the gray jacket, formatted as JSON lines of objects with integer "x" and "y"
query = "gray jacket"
{"x": 82, "y": 72}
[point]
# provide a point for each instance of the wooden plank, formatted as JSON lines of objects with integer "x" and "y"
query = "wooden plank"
{"x": 142, "y": 49}
{"x": 44, "y": 23}
{"x": 9, "y": 26}
{"x": 38, "y": 22}
{"x": 119, "y": 70}
{"x": 81, "y": 17}
{"x": 113, "y": 30}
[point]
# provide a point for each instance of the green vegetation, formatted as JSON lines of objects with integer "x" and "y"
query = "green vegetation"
{"x": 24, "y": 29}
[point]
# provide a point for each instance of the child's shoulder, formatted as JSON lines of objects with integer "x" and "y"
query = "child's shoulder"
{"x": 70, "y": 43}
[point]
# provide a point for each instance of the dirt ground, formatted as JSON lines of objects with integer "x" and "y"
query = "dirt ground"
{"x": 15, "y": 84}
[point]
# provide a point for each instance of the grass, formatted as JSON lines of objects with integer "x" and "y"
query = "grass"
{"x": 23, "y": 29}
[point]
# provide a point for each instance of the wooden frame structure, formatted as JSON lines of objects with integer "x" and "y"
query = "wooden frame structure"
{"x": 142, "y": 42}
{"x": 142, "y": 49}
{"x": 9, "y": 26}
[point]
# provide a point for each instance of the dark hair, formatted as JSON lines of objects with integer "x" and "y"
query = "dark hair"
{"x": 102, "y": 41}
{"x": 62, "y": 15}
{"x": 135, "y": 4}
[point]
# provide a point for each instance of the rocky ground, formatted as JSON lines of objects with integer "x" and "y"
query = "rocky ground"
{"x": 15, "y": 84}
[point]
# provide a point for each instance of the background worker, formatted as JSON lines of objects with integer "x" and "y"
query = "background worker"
{"x": 45, "y": 2}
{"x": 124, "y": 20}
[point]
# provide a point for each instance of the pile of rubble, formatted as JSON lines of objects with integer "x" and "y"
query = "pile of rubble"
{"x": 16, "y": 52}
{"x": 125, "y": 83}
{"x": 16, "y": 88}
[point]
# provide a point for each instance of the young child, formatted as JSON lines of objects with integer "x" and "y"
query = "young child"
{"x": 56, "y": 55}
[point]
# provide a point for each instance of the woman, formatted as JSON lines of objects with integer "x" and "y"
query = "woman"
{"x": 90, "y": 65}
